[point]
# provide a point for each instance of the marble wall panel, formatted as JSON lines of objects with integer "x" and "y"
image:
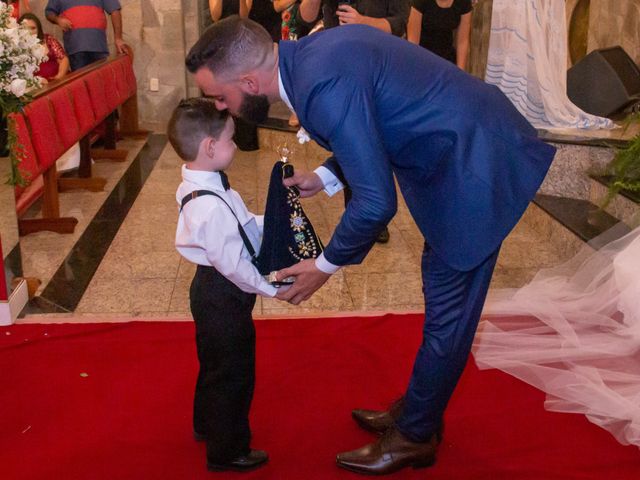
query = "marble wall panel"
{"x": 479, "y": 48}
{"x": 615, "y": 22}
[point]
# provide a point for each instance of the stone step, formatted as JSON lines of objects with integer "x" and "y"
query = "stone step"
{"x": 625, "y": 205}
{"x": 582, "y": 217}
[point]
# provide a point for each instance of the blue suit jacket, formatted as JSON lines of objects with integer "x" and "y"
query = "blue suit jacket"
{"x": 466, "y": 161}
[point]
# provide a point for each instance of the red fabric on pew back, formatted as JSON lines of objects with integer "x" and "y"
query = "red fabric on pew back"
{"x": 97, "y": 94}
{"x": 29, "y": 194}
{"x": 130, "y": 75}
{"x": 68, "y": 127}
{"x": 82, "y": 106}
{"x": 29, "y": 168}
{"x": 28, "y": 161}
{"x": 112, "y": 95}
{"x": 121, "y": 80}
{"x": 45, "y": 138}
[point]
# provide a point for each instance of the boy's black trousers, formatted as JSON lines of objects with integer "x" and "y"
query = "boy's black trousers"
{"x": 225, "y": 341}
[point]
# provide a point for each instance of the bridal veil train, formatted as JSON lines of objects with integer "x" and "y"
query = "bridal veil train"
{"x": 574, "y": 332}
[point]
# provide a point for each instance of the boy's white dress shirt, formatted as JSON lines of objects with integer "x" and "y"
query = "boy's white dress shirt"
{"x": 207, "y": 232}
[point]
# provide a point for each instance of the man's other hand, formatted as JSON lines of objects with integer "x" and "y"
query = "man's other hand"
{"x": 308, "y": 280}
{"x": 65, "y": 24}
{"x": 347, "y": 14}
{"x": 121, "y": 47}
{"x": 308, "y": 183}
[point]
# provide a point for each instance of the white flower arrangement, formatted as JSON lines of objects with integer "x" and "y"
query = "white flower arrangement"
{"x": 21, "y": 54}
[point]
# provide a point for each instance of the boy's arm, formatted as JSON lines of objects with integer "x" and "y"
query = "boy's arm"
{"x": 224, "y": 249}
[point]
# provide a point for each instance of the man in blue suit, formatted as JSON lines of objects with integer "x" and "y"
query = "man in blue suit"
{"x": 466, "y": 161}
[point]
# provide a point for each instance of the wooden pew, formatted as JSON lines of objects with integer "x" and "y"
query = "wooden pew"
{"x": 65, "y": 112}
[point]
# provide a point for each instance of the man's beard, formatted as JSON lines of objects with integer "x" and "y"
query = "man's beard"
{"x": 254, "y": 108}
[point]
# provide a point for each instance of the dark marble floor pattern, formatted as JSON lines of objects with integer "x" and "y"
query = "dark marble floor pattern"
{"x": 65, "y": 289}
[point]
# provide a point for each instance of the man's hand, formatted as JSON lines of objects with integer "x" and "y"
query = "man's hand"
{"x": 307, "y": 182}
{"x": 121, "y": 47}
{"x": 308, "y": 280}
{"x": 347, "y": 14}
{"x": 64, "y": 23}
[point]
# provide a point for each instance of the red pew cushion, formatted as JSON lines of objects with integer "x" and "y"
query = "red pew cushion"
{"x": 66, "y": 119}
{"x": 109, "y": 81}
{"x": 28, "y": 166}
{"x": 97, "y": 94}
{"x": 46, "y": 142}
{"x": 82, "y": 106}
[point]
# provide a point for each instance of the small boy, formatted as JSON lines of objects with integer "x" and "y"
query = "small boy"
{"x": 216, "y": 232}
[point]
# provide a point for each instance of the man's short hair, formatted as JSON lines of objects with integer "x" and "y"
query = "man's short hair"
{"x": 193, "y": 120}
{"x": 231, "y": 46}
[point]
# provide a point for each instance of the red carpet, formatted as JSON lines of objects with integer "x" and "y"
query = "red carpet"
{"x": 113, "y": 401}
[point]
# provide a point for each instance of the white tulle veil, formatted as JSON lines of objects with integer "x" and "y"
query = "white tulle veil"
{"x": 574, "y": 332}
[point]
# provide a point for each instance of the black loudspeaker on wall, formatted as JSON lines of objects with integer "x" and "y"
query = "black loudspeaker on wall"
{"x": 604, "y": 82}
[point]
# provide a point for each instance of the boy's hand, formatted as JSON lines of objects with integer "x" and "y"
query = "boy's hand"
{"x": 308, "y": 184}
{"x": 308, "y": 280}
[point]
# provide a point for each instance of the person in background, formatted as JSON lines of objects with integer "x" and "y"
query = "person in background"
{"x": 16, "y": 7}
{"x": 85, "y": 28}
{"x": 57, "y": 64}
{"x": 263, "y": 12}
{"x": 292, "y": 29}
{"x": 220, "y": 9}
{"x": 432, "y": 23}
{"x": 246, "y": 134}
{"x": 387, "y": 15}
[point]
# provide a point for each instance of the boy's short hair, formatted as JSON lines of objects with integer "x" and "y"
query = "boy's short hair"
{"x": 193, "y": 120}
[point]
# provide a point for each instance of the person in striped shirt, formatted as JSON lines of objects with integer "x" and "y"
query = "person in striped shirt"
{"x": 84, "y": 27}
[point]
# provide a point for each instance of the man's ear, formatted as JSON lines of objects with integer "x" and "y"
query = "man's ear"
{"x": 250, "y": 84}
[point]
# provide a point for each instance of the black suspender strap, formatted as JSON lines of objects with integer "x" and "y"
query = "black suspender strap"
{"x": 243, "y": 234}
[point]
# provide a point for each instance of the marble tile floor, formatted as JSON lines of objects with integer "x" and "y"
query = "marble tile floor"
{"x": 141, "y": 275}
{"x": 43, "y": 252}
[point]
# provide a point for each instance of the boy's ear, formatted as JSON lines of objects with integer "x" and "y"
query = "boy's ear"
{"x": 250, "y": 84}
{"x": 209, "y": 146}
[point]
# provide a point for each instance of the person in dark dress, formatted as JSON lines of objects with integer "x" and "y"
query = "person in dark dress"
{"x": 387, "y": 15}
{"x": 246, "y": 134}
{"x": 263, "y": 12}
{"x": 432, "y": 24}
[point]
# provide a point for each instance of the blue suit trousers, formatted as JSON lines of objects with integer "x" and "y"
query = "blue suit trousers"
{"x": 453, "y": 306}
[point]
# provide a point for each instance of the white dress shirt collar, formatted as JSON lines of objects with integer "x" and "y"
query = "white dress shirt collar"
{"x": 206, "y": 179}
{"x": 283, "y": 94}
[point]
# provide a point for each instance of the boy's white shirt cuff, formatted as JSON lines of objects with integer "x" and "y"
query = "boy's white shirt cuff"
{"x": 325, "y": 265}
{"x": 270, "y": 291}
{"x": 330, "y": 182}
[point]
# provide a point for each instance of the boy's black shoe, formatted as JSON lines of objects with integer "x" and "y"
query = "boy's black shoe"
{"x": 199, "y": 437}
{"x": 243, "y": 463}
